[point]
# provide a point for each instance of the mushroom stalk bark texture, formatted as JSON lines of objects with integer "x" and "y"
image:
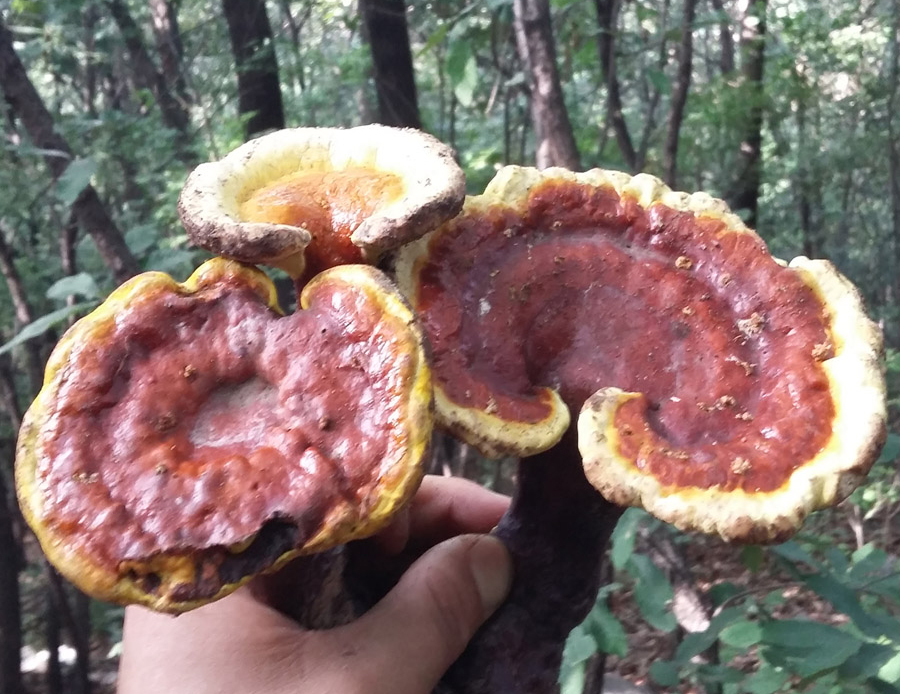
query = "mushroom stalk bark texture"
{"x": 311, "y": 590}
{"x": 557, "y": 530}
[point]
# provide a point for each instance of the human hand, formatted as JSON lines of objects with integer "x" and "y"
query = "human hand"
{"x": 403, "y": 645}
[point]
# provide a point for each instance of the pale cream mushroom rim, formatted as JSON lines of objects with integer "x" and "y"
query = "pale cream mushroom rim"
{"x": 434, "y": 189}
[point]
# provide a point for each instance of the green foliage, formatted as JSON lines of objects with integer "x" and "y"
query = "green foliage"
{"x": 859, "y": 651}
{"x": 41, "y": 325}
{"x": 81, "y": 284}
{"x": 74, "y": 180}
{"x": 600, "y": 632}
{"x": 463, "y": 71}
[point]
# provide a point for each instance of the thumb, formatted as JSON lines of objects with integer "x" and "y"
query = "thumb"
{"x": 416, "y": 632}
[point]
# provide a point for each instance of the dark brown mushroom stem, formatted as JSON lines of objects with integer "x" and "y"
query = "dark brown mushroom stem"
{"x": 310, "y": 590}
{"x": 557, "y": 530}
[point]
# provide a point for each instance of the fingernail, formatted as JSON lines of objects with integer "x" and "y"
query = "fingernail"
{"x": 492, "y": 569}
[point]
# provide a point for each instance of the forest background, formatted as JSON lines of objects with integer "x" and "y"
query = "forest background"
{"x": 787, "y": 109}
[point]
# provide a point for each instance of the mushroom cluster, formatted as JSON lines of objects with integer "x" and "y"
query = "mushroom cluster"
{"x": 190, "y": 436}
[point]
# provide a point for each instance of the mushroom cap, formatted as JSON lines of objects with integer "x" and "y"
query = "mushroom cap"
{"x": 415, "y": 184}
{"x": 189, "y": 436}
{"x": 723, "y": 390}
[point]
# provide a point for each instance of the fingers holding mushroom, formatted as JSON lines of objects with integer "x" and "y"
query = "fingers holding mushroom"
{"x": 189, "y": 436}
{"x": 307, "y": 199}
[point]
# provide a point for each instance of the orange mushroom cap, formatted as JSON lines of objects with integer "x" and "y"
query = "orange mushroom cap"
{"x": 189, "y": 436}
{"x": 723, "y": 391}
{"x": 305, "y": 199}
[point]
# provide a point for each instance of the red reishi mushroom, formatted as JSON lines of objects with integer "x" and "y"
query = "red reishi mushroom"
{"x": 306, "y": 199}
{"x": 718, "y": 388}
{"x": 189, "y": 436}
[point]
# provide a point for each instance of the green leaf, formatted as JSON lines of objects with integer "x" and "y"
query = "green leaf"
{"x": 830, "y": 655}
{"x": 811, "y": 646}
{"x": 846, "y": 600}
{"x": 44, "y": 323}
{"x": 624, "y": 536}
{"x": 867, "y": 661}
{"x": 579, "y": 646}
{"x": 652, "y": 592}
{"x": 437, "y": 37}
{"x": 571, "y": 679}
{"x": 743, "y": 634}
{"x": 890, "y": 671}
{"x": 795, "y": 554}
{"x": 607, "y": 631}
{"x": 463, "y": 71}
{"x": 719, "y": 674}
{"x": 174, "y": 261}
{"x": 81, "y": 284}
{"x": 659, "y": 79}
{"x": 891, "y": 450}
{"x": 876, "y": 686}
{"x": 766, "y": 680}
{"x": 838, "y": 560}
{"x": 723, "y": 591}
{"x": 753, "y": 557}
{"x": 665, "y": 673}
{"x": 801, "y": 634}
{"x": 141, "y": 238}
{"x": 864, "y": 554}
{"x": 75, "y": 179}
{"x": 869, "y": 562}
{"x": 695, "y": 643}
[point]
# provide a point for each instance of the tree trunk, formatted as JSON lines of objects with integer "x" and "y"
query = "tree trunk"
{"x": 653, "y": 99}
{"x": 753, "y": 45}
{"x": 33, "y": 349}
{"x": 146, "y": 76}
{"x": 802, "y": 182}
{"x": 82, "y": 628}
{"x": 726, "y": 40}
{"x": 89, "y": 21}
{"x": 259, "y": 92}
{"x": 295, "y": 28}
{"x": 554, "y": 138}
{"x": 53, "y": 634}
{"x": 680, "y": 93}
{"x": 607, "y": 19}
{"x": 28, "y": 107}
{"x": 894, "y": 154}
{"x": 395, "y": 85}
{"x": 10, "y": 616}
{"x": 167, "y": 36}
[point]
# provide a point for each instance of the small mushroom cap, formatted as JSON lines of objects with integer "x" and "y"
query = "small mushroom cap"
{"x": 189, "y": 436}
{"x": 430, "y": 189}
{"x": 723, "y": 390}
